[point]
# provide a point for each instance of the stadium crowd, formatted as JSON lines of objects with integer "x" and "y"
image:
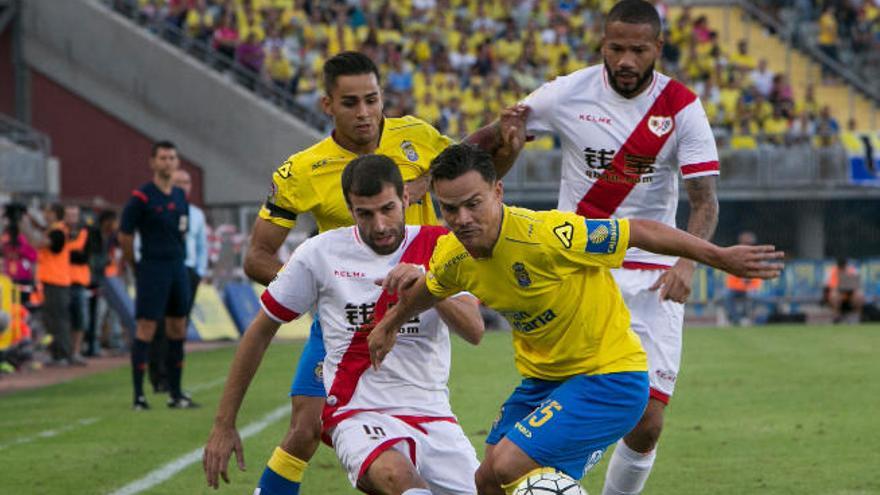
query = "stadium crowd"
{"x": 61, "y": 268}
{"x": 456, "y": 63}
{"x": 847, "y": 31}
{"x": 58, "y": 260}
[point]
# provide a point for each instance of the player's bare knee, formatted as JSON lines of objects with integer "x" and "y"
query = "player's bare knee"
{"x": 485, "y": 480}
{"x": 391, "y": 472}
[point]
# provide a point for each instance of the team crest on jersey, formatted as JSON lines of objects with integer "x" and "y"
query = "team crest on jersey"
{"x": 522, "y": 275}
{"x": 660, "y": 125}
{"x": 410, "y": 151}
{"x": 602, "y": 236}
{"x": 273, "y": 192}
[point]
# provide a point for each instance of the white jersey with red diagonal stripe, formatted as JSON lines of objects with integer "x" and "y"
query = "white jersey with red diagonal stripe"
{"x": 334, "y": 274}
{"x": 622, "y": 157}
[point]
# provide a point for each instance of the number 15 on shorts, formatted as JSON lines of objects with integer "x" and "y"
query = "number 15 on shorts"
{"x": 543, "y": 414}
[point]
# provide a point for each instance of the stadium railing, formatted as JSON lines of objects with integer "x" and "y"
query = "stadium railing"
{"x": 755, "y": 173}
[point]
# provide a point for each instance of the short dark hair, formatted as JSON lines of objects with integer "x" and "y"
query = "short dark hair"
{"x": 634, "y": 12}
{"x": 164, "y": 144}
{"x": 347, "y": 64}
{"x": 58, "y": 210}
{"x": 367, "y": 175}
{"x": 105, "y": 216}
{"x": 459, "y": 159}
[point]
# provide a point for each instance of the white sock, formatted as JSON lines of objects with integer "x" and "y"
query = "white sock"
{"x": 628, "y": 470}
{"x": 417, "y": 491}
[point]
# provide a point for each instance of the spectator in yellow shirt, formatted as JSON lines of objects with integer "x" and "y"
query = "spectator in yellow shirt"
{"x": 278, "y": 68}
{"x": 742, "y": 60}
{"x": 828, "y": 36}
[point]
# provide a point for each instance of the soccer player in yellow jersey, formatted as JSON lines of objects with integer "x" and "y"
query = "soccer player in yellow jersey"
{"x": 309, "y": 181}
{"x": 548, "y": 273}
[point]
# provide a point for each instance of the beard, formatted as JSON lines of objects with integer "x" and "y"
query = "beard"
{"x": 397, "y": 233}
{"x": 641, "y": 80}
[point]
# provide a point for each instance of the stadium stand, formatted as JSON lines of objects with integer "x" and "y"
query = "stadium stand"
{"x": 456, "y": 63}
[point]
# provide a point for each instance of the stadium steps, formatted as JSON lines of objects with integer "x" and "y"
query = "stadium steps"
{"x": 732, "y": 24}
{"x": 161, "y": 92}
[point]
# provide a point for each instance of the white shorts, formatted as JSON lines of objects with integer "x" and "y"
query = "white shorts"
{"x": 439, "y": 449}
{"x": 657, "y": 323}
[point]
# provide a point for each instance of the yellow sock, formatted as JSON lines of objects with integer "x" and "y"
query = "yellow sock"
{"x": 286, "y": 465}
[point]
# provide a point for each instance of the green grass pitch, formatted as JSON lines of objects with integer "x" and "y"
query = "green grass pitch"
{"x": 772, "y": 410}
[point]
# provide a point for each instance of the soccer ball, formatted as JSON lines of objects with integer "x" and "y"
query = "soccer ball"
{"x": 549, "y": 484}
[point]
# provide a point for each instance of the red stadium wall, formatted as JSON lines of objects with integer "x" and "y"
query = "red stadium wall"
{"x": 7, "y": 81}
{"x": 101, "y": 156}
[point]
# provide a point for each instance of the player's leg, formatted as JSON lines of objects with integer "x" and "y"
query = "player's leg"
{"x": 175, "y": 330}
{"x": 152, "y": 287}
{"x": 304, "y": 434}
{"x": 392, "y": 473}
{"x": 571, "y": 429}
{"x": 379, "y": 454}
{"x": 448, "y": 460}
{"x": 524, "y": 399}
{"x": 658, "y": 325}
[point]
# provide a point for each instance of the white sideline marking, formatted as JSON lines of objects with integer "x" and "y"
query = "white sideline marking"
{"x": 205, "y": 386}
{"x": 165, "y": 472}
{"x": 49, "y": 433}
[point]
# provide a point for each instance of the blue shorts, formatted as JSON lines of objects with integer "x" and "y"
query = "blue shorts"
{"x": 568, "y": 425}
{"x": 162, "y": 289}
{"x": 309, "y": 377}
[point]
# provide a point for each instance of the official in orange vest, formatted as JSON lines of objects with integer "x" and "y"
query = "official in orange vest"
{"x": 80, "y": 278}
{"x": 53, "y": 271}
{"x": 739, "y": 300}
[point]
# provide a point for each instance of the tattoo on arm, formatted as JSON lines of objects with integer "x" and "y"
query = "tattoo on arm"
{"x": 704, "y": 206}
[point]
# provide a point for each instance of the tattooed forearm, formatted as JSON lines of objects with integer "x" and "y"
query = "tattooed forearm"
{"x": 703, "y": 217}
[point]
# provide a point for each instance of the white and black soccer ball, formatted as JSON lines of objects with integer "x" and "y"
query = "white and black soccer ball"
{"x": 549, "y": 484}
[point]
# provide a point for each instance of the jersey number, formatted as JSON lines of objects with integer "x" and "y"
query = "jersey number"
{"x": 546, "y": 414}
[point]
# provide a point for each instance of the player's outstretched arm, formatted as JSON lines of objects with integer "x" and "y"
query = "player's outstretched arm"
{"x": 261, "y": 262}
{"x": 224, "y": 439}
{"x": 740, "y": 260}
{"x": 504, "y": 138}
{"x": 462, "y": 314}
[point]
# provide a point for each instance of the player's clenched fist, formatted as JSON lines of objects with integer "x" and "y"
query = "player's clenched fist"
{"x": 222, "y": 442}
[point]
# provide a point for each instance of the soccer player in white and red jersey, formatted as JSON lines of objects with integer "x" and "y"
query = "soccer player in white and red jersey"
{"x": 392, "y": 429}
{"x": 627, "y": 133}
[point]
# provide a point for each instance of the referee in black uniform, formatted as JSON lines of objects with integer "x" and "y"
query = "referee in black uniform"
{"x": 158, "y": 212}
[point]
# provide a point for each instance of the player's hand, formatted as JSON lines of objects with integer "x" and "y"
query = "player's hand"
{"x": 380, "y": 342}
{"x": 675, "y": 283}
{"x": 417, "y": 188}
{"x": 222, "y": 442}
{"x": 512, "y": 126}
{"x": 752, "y": 261}
{"x": 401, "y": 277}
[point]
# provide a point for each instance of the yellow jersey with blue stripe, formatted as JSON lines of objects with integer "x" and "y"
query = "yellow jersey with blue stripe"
{"x": 549, "y": 276}
{"x": 309, "y": 181}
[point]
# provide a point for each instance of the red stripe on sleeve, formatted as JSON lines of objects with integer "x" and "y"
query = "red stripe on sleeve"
{"x": 275, "y": 309}
{"x": 615, "y": 184}
{"x": 696, "y": 168}
{"x": 139, "y": 195}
